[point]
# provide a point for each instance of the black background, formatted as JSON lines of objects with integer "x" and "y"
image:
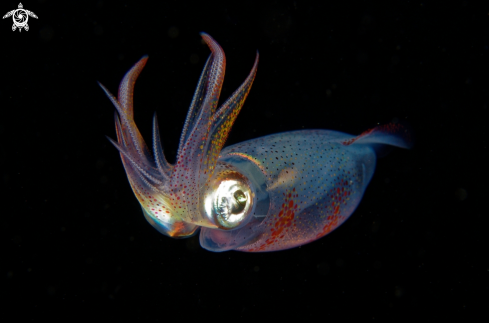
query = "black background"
{"x": 74, "y": 233}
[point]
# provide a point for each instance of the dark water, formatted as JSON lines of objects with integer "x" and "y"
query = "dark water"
{"x": 74, "y": 233}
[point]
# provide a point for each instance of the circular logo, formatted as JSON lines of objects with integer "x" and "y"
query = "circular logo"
{"x": 20, "y": 17}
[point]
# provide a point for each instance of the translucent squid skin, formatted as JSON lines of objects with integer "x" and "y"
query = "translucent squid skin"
{"x": 266, "y": 194}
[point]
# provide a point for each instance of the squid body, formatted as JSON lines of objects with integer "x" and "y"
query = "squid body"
{"x": 266, "y": 194}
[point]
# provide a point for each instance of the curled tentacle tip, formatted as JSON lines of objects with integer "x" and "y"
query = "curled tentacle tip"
{"x": 144, "y": 58}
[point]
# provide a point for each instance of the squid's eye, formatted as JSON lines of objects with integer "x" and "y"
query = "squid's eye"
{"x": 229, "y": 201}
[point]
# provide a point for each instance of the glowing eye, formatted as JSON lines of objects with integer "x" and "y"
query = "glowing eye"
{"x": 230, "y": 203}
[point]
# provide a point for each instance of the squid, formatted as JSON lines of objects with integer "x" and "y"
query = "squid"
{"x": 266, "y": 194}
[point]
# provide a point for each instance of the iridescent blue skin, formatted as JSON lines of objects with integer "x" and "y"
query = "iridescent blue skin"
{"x": 266, "y": 194}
